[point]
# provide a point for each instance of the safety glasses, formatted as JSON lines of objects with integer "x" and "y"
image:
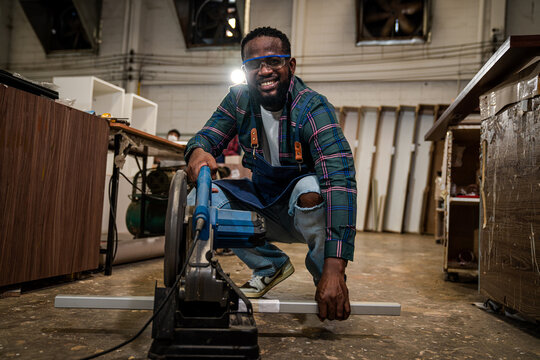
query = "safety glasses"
{"x": 274, "y": 62}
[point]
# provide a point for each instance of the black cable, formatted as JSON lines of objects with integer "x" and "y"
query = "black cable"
{"x": 138, "y": 165}
{"x": 137, "y": 188}
{"x": 112, "y": 213}
{"x": 161, "y": 306}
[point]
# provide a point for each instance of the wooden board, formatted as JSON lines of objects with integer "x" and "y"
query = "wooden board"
{"x": 418, "y": 174}
{"x": 381, "y": 167}
{"x": 401, "y": 162}
{"x": 367, "y": 127}
{"x": 349, "y": 126}
{"x": 52, "y": 166}
{"x": 429, "y": 218}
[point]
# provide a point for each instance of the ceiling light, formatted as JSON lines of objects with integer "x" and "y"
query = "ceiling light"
{"x": 238, "y": 76}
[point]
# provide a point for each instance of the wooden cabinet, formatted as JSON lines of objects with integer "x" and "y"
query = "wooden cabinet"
{"x": 461, "y": 200}
{"x": 52, "y": 166}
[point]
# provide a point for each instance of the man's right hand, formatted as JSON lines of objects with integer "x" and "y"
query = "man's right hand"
{"x": 197, "y": 160}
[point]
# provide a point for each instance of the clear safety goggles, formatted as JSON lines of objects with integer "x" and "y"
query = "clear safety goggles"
{"x": 274, "y": 62}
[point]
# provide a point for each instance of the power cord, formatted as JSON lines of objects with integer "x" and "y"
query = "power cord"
{"x": 112, "y": 212}
{"x": 161, "y": 306}
{"x": 147, "y": 195}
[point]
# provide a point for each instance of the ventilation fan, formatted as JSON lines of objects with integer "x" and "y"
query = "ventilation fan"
{"x": 393, "y": 20}
{"x": 215, "y": 22}
{"x": 67, "y": 31}
{"x": 65, "y": 24}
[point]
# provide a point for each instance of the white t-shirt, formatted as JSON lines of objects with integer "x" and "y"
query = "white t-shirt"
{"x": 270, "y": 121}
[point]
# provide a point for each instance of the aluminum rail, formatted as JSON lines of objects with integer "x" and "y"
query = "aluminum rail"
{"x": 259, "y": 306}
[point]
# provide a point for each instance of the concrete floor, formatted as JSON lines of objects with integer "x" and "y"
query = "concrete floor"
{"x": 438, "y": 320}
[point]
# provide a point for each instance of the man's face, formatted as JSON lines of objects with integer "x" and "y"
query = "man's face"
{"x": 268, "y": 85}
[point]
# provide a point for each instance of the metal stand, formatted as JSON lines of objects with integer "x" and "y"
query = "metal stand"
{"x": 143, "y": 193}
{"x": 112, "y": 211}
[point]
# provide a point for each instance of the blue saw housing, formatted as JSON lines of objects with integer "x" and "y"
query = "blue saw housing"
{"x": 231, "y": 228}
{"x": 237, "y": 228}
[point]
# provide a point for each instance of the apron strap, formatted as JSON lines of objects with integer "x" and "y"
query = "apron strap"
{"x": 254, "y": 140}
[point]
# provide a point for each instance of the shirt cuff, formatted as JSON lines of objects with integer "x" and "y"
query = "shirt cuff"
{"x": 339, "y": 249}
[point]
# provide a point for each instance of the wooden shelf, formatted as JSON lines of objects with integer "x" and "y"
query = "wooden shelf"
{"x": 461, "y": 214}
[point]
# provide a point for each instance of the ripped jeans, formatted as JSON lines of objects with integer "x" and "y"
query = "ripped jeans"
{"x": 285, "y": 222}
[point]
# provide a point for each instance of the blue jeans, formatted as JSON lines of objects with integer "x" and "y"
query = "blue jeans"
{"x": 285, "y": 222}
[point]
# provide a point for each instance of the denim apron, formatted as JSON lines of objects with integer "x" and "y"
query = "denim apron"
{"x": 269, "y": 183}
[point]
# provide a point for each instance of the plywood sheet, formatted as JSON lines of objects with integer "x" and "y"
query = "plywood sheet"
{"x": 418, "y": 174}
{"x": 430, "y": 215}
{"x": 397, "y": 189}
{"x": 349, "y": 127}
{"x": 381, "y": 167}
{"x": 367, "y": 126}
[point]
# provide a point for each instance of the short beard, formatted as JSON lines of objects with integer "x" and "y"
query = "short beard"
{"x": 273, "y": 103}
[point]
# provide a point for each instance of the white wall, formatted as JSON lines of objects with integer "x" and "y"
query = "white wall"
{"x": 188, "y": 84}
{"x": 362, "y": 93}
{"x": 523, "y": 17}
{"x": 184, "y": 107}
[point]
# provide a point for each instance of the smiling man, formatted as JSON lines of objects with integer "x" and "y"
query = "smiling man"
{"x": 303, "y": 179}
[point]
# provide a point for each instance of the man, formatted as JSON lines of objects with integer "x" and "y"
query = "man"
{"x": 303, "y": 179}
{"x": 174, "y": 136}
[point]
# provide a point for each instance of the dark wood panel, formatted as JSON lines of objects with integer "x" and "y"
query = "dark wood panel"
{"x": 52, "y": 178}
{"x": 510, "y": 246}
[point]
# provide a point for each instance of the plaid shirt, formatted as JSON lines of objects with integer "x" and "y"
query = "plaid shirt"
{"x": 325, "y": 150}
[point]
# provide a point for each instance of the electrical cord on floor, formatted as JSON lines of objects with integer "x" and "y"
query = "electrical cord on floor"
{"x": 161, "y": 306}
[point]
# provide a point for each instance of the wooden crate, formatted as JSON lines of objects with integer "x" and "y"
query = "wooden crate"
{"x": 52, "y": 166}
{"x": 509, "y": 237}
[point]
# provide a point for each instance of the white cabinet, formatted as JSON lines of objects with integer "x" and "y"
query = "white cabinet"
{"x": 141, "y": 112}
{"x": 92, "y": 93}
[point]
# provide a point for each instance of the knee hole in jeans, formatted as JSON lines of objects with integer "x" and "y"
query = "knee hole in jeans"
{"x": 309, "y": 200}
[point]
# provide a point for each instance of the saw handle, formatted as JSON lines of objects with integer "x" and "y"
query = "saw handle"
{"x": 201, "y": 216}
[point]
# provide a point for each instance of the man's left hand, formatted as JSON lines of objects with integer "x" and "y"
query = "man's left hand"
{"x": 332, "y": 294}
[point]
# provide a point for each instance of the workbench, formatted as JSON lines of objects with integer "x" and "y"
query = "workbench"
{"x": 127, "y": 141}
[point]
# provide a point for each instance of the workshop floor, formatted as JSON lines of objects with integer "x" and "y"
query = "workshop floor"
{"x": 438, "y": 320}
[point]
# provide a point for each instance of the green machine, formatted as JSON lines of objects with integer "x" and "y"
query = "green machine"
{"x": 150, "y": 192}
